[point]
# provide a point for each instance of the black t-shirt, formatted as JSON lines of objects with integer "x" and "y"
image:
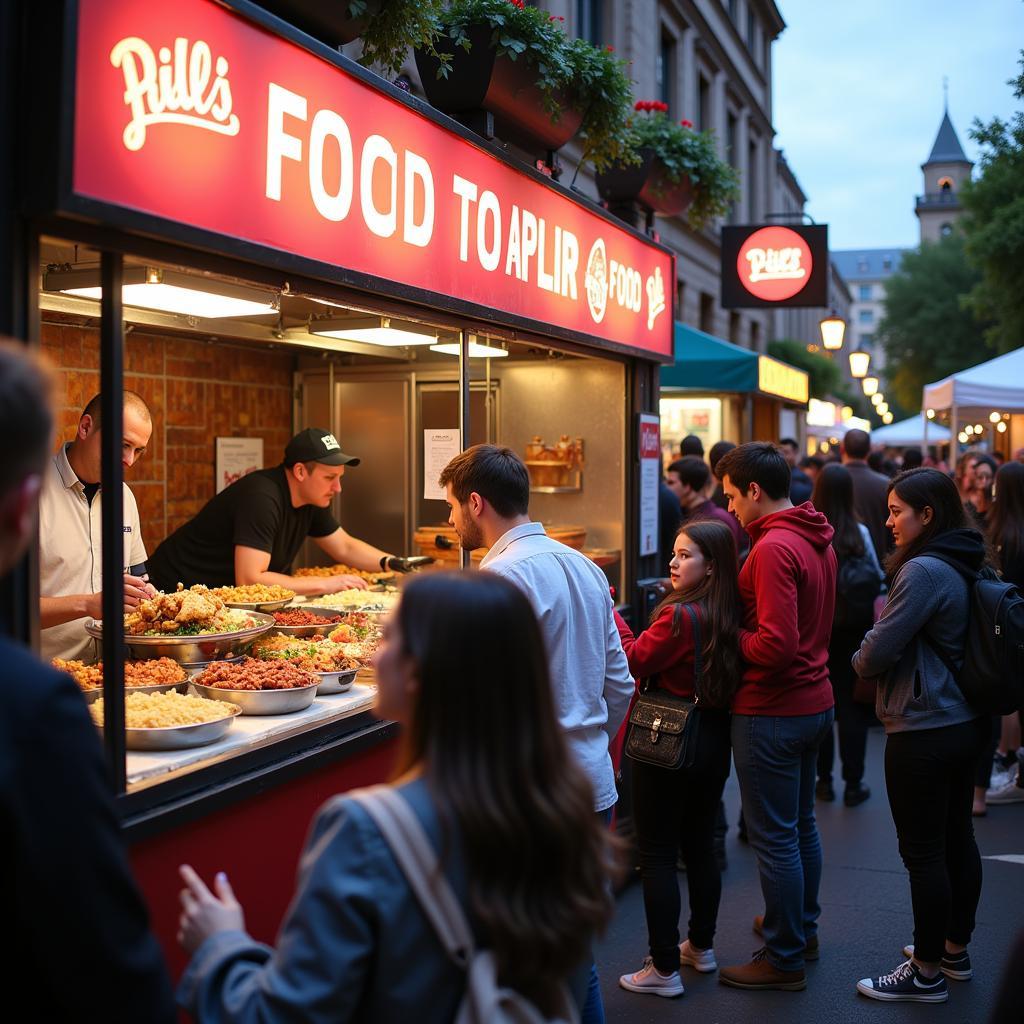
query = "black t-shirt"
{"x": 254, "y": 512}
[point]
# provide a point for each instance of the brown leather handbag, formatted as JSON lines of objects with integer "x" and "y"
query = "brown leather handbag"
{"x": 663, "y": 727}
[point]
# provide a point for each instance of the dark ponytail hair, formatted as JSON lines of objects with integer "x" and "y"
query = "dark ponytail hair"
{"x": 833, "y": 498}
{"x": 717, "y": 596}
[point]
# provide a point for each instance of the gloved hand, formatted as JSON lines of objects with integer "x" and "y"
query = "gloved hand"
{"x": 409, "y": 563}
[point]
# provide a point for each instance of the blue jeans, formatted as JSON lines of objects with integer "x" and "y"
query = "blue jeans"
{"x": 776, "y": 764}
{"x": 593, "y": 1008}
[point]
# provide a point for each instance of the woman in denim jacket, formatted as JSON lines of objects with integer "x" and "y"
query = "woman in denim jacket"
{"x": 486, "y": 769}
{"x": 933, "y": 736}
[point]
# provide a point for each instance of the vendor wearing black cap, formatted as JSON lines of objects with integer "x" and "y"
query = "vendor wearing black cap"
{"x": 252, "y": 531}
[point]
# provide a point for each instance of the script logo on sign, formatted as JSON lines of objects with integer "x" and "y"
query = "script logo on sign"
{"x": 596, "y": 281}
{"x": 774, "y": 263}
{"x": 176, "y": 89}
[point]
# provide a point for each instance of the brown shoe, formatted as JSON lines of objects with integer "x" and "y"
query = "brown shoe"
{"x": 810, "y": 949}
{"x": 761, "y": 973}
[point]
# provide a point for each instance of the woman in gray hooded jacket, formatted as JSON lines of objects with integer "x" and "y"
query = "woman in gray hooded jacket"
{"x": 933, "y": 736}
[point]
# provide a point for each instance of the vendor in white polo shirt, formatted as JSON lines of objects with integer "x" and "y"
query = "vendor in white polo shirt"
{"x": 70, "y": 547}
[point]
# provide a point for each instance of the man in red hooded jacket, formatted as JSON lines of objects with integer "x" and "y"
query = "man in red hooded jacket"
{"x": 783, "y": 707}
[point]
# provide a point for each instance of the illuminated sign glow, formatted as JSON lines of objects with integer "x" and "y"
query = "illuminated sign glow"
{"x": 764, "y": 266}
{"x": 190, "y": 113}
{"x": 775, "y": 378}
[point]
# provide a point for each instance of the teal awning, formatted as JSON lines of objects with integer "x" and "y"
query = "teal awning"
{"x": 707, "y": 363}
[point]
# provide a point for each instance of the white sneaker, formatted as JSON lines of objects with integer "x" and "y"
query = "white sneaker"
{"x": 704, "y": 962}
{"x": 1000, "y": 778}
{"x": 1008, "y": 793}
{"x": 647, "y": 979}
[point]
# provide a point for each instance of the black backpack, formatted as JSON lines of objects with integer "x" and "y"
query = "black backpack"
{"x": 858, "y": 583}
{"x": 992, "y": 677}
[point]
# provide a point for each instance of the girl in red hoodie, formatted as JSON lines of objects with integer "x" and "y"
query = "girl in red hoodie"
{"x": 675, "y": 811}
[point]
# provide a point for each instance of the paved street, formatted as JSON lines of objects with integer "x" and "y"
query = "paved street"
{"x": 865, "y": 921}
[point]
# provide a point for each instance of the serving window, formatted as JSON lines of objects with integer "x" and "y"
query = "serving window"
{"x": 230, "y": 369}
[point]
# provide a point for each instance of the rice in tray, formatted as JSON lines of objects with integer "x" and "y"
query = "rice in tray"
{"x": 166, "y": 710}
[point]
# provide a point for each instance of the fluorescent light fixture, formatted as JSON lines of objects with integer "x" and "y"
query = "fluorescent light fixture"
{"x": 477, "y": 350}
{"x": 375, "y": 330}
{"x": 168, "y": 291}
{"x": 870, "y": 385}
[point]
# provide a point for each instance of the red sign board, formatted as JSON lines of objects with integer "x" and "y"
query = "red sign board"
{"x": 189, "y": 112}
{"x": 772, "y": 265}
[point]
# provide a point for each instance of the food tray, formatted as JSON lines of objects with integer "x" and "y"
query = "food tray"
{"x": 312, "y": 630}
{"x": 190, "y": 649}
{"x": 260, "y": 606}
{"x": 201, "y": 666}
{"x": 262, "y": 702}
{"x": 336, "y": 682}
{"x": 181, "y": 686}
{"x": 179, "y": 737}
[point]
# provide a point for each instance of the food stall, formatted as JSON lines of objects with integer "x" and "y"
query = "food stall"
{"x": 722, "y": 392}
{"x": 257, "y": 235}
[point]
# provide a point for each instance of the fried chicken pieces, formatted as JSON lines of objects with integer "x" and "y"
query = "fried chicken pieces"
{"x": 167, "y": 613}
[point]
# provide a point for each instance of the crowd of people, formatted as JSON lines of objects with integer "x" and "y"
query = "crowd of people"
{"x": 779, "y": 618}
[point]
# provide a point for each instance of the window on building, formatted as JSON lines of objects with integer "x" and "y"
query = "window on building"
{"x": 703, "y": 104}
{"x": 753, "y": 183}
{"x": 864, "y": 293}
{"x": 733, "y": 9}
{"x": 735, "y": 326}
{"x": 946, "y": 230}
{"x": 665, "y": 72}
{"x": 862, "y": 266}
{"x": 755, "y": 336}
{"x": 866, "y": 342}
{"x": 732, "y": 157}
{"x": 590, "y": 20}
{"x": 751, "y": 29}
{"x": 681, "y": 301}
{"x": 887, "y": 263}
{"x": 707, "y": 313}
{"x": 945, "y": 186}
{"x": 866, "y": 316}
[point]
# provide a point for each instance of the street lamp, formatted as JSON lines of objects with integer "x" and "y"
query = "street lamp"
{"x": 882, "y": 408}
{"x": 887, "y": 418}
{"x": 859, "y": 362}
{"x": 877, "y": 398}
{"x": 870, "y": 385}
{"x": 833, "y": 330}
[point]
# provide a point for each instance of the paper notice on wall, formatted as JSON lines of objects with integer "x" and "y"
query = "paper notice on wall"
{"x": 439, "y": 448}
{"x": 650, "y": 477}
{"x": 236, "y": 457}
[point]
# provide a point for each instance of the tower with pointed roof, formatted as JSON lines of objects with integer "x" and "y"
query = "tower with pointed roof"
{"x": 945, "y": 171}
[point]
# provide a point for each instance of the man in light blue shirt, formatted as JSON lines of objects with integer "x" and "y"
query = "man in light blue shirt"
{"x": 488, "y": 493}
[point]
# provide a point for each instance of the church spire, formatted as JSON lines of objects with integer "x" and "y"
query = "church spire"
{"x": 947, "y": 148}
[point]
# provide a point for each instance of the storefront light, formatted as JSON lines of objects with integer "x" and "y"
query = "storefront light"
{"x": 859, "y": 362}
{"x": 376, "y": 330}
{"x": 168, "y": 291}
{"x": 833, "y": 330}
{"x": 477, "y": 350}
{"x": 977, "y": 428}
{"x": 870, "y": 385}
{"x": 887, "y": 418}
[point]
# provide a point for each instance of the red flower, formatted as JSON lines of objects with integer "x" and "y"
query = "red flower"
{"x": 686, "y": 124}
{"x": 556, "y": 17}
{"x": 610, "y": 49}
{"x": 659, "y": 106}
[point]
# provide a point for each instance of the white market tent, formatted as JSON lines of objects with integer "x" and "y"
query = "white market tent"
{"x": 997, "y": 384}
{"x": 909, "y": 432}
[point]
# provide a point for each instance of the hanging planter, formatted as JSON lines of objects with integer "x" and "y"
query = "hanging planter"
{"x": 333, "y": 23}
{"x": 675, "y": 170}
{"x": 648, "y": 183}
{"x": 482, "y": 77}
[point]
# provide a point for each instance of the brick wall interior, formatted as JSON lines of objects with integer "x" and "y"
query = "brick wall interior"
{"x": 197, "y": 391}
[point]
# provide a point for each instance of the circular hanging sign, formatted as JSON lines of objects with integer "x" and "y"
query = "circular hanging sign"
{"x": 774, "y": 264}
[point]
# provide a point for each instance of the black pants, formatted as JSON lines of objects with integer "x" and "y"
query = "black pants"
{"x": 674, "y": 812}
{"x": 929, "y": 775}
{"x": 852, "y": 719}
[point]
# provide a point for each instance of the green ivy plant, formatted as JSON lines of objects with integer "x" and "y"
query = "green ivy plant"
{"x": 392, "y": 27}
{"x": 685, "y": 152}
{"x": 570, "y": 72}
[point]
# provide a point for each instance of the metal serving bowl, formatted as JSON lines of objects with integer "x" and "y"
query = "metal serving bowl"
{"x": 260, "y": 606}
{"x": 179, "y": 737}
{"x": 336, "y": 682}
{"x": 262, "y": 702}
{"x": 181, "y": 686}
{"x": 191, "y": 649}
{"x": 314, "y": 628}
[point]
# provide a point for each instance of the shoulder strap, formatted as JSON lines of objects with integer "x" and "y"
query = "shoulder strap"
{"x": 698, "y": 649}
{"x": 415, "y": 855}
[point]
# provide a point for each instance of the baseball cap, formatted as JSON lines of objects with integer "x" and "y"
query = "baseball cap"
{"x": 317, "y": 445}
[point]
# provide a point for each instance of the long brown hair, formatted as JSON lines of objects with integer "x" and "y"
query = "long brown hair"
{"x": 503, "y": 779}
{"x": 1006, "y": 517}
{"x": 717, "y": 596}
